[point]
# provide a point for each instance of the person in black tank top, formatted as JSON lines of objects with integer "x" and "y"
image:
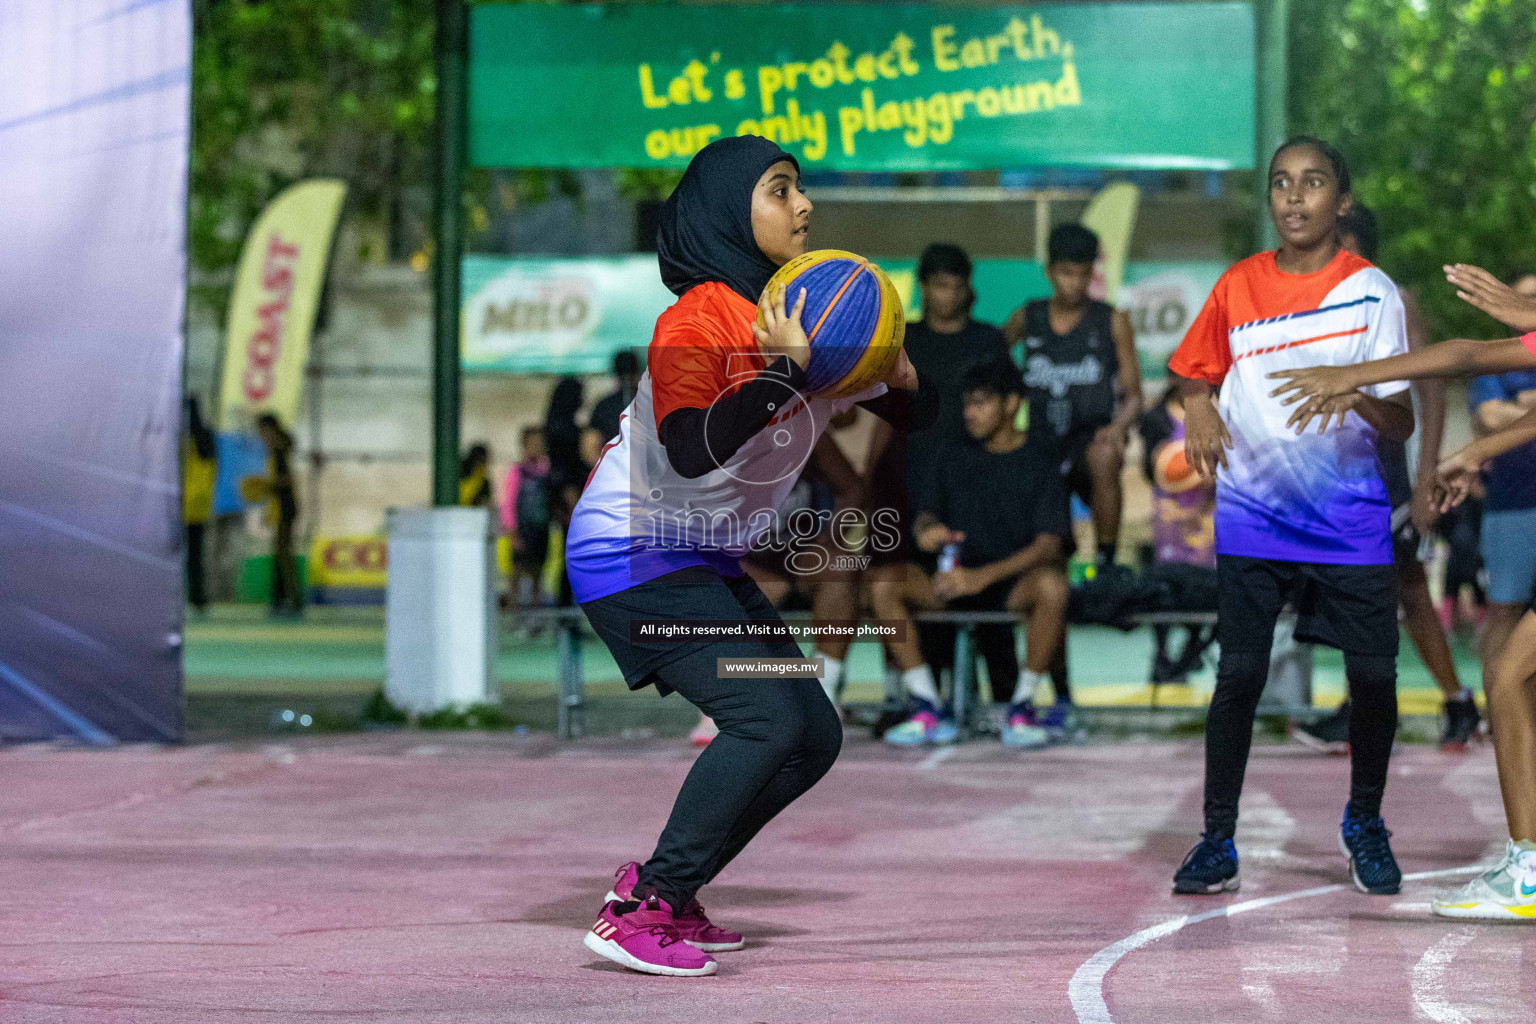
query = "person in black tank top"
{"x": 1083, "y": 378}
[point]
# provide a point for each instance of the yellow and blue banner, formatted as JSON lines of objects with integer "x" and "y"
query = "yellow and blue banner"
{"x": 272, "y": 311}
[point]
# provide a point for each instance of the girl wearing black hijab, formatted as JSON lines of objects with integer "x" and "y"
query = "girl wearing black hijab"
{"x": 716, "y": 435}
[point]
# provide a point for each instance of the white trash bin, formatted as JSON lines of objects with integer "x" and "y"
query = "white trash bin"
{"x": 439, "y": 608}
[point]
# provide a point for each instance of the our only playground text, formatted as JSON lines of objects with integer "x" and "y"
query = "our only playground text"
{"x": 786, "y": 93}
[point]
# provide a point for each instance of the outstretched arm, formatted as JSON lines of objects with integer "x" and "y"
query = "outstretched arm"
{"x": 1431, "y": 412}
{"x": 1492, "y": 296}
{"x": 1316, "y": 387}
{"x": 1458, "y": 472}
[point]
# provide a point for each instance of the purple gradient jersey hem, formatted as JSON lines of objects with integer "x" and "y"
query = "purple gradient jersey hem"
{"x": 611, "y": 572}
{"x": 1239, "y": 532}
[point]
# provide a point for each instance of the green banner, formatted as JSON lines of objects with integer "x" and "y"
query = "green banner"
{"x": 531, "y": 315}
{"x": 865, "y": 87}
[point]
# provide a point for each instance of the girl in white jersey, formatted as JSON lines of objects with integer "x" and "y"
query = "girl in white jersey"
{"x": 1299, "y": 519}
{"x": 719, "y": 430}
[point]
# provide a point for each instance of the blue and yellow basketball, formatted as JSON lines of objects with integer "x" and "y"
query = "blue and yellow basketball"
{"x": 853, "y": 318}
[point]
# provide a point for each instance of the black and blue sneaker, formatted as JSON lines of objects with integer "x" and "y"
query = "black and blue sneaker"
{"x": 1210, "y": 868}
{"x": 1371, "y": 864}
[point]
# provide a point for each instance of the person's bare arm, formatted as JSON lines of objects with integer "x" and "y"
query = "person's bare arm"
{"x": 1392, "y": 416}
{"x": 1206, "y": 439}
{"x": 829, "y": 463}
{"x": 1045, "y": 549}
{"x": 1459, "y": 472}
{"x": 1317, "y": 386}
{"x": 1013, "y": 327}
{"x": 1431, "y": 394}
{"x": 1496, "y": 414}
{"x": 931, "y": 534}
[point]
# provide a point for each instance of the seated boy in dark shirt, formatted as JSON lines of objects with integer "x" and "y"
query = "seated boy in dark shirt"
{"x": 998, "y": 509}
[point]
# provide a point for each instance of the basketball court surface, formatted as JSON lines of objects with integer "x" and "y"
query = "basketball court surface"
{"x": 448, "y": 879}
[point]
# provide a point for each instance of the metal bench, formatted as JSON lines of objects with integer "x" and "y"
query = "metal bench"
{"x": 569, "y": 622}
{"x": 965, "y": 681}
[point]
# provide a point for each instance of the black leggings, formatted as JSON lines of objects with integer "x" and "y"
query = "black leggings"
{"x": 1240, "y": 679}
{"x": 1358, "y": 606}
{"x": 778, "y": 737}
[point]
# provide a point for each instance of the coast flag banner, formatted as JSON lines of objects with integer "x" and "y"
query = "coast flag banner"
{"x": 272, "y": 310}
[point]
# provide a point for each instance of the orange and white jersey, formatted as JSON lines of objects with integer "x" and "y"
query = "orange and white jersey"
{"x": 638, "y": 518}
{"x": 1308, "y": 498}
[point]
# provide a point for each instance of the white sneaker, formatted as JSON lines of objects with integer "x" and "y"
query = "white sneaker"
{"x": 1506, "y": 893}
{"x": 1022, "y": 729}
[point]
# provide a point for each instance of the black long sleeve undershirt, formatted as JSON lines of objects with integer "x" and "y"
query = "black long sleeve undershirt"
{"x": 700, "y": 440}
{"x": 907, "y": 411}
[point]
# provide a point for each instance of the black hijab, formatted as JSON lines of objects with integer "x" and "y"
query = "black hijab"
{"x": 705, "y": 232}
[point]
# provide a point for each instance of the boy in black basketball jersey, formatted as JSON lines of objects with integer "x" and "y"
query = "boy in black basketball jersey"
{"x": 1080, "y": 368}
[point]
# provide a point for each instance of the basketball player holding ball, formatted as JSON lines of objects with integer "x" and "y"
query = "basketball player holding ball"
{"x": 720, "y": 426}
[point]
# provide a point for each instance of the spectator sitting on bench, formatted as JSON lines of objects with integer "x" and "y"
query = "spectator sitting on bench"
{"x": 1183, "y": 525}
{"x": 1082, "y": 377}
{"x": 1000, "y": 501}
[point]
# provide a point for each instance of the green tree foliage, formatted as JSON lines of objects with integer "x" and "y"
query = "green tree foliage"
{"x": 289, "y": 89}
{"x": 1433, "y": 103}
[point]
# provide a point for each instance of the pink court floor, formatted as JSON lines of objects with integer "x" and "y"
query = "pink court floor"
{"x": 419, "y": 877}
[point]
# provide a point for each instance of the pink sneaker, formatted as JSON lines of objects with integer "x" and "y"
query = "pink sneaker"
{"x": 646, "y": 940}
{"x": 701, "y": 933}
{"x": 696, "y": 929}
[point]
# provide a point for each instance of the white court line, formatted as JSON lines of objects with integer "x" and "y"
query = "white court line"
{"x": 1428, "y": 974}
{"x": 1086, "y": 990}
{"x": 937, "y": 758}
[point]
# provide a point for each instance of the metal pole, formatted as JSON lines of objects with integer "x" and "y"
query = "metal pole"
{"x": 1270, "y": 20}
{"x": 448, "y": 236}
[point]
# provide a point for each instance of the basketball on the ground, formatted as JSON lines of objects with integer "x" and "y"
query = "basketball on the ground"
{"x": 853, "y": 318}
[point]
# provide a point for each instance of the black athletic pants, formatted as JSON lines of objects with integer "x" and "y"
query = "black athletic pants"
{"x": 1351, "y": 607}
{"x": 778, "y": 737}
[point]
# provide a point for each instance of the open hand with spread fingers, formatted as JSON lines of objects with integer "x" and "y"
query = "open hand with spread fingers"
{"x": 1325, "y": 409}
{"x": 780, "y": 333}
{"x": 1321, "y": 391}
{"x": 1492, "y": 296}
